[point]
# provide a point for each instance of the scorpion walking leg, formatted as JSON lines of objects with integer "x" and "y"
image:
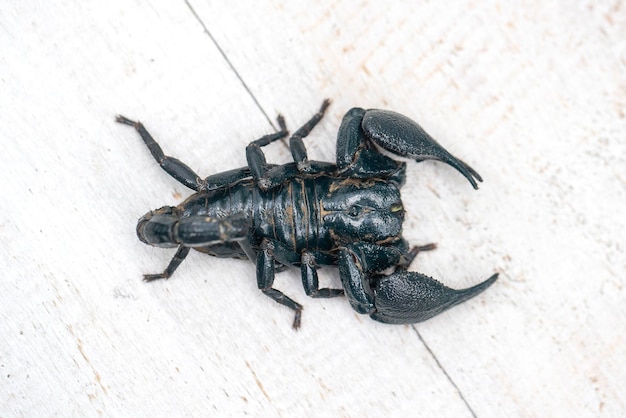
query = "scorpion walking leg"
{"x": 226, "y": 178}
{"x": 407, "y": 259}
{"x": 172, "y": 166}
{"x": 298, "y": 150}
{"x": 310, "y": 280}
{"x": 254, "y": 153}
{"x": 167, "y": 273}
{"x": 268, "y": 176}
{"x": 265, "y": 270}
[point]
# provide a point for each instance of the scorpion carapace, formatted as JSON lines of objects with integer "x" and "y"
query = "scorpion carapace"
{"x": 309, "y": 213}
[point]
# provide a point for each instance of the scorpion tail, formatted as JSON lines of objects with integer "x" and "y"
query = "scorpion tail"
{"x": 408, "y": 297}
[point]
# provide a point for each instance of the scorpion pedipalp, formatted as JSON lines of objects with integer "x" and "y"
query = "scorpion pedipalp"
{"x": 407, "y": 297}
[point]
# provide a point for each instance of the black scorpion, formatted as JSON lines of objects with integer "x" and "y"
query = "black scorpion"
{"x": 310, "y": 213}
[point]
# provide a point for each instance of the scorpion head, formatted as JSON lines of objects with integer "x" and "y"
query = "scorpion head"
{"x": 369, "y": 211}
{"x": 156, "y": 227}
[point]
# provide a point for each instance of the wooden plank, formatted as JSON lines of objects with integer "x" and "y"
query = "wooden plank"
{"x": 532, "y": 97}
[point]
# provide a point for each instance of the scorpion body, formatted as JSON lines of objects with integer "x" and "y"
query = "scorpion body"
{"x": 299, "y": 215}
{"x": 308, "y": 213}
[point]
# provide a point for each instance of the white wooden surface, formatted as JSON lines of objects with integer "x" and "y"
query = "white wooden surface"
{"x": 533, "y": 96}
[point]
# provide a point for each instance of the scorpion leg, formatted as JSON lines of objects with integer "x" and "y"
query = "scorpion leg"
{"x": 178, "y": 258}
{"x": 265, "y": 271}
{"x": 255, "y": 156}
{"x": 226, "y": 178}
{"x": 310, "y": 281}
{"x": 296, "y": 145}
{"x": 172, "y": 166}
{"x": 307, "y": 266}
{"x": 268, "y": 176}
{"x": 402, "y": 136}
{"x": 408, "y": 258}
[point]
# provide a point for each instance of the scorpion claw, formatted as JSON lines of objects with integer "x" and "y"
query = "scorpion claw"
{"x": 402, "y": 136}
{"x": 408, "y": 297}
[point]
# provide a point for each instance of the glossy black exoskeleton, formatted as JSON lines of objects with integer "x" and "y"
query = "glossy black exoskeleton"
{"x": 309, "y": 213}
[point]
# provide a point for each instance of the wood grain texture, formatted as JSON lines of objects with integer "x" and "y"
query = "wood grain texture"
{"x": 532, "y": 96}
